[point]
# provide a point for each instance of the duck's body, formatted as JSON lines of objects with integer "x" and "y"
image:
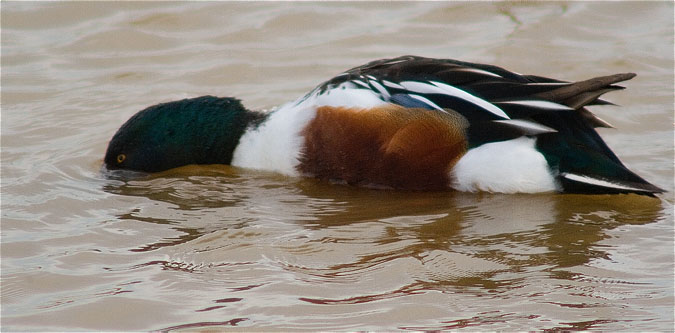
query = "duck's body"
{"x": 405, "y": 123}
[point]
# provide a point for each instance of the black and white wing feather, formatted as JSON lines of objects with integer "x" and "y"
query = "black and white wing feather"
{"x": 477, "y": 91}
{"x": 502, "y": 105}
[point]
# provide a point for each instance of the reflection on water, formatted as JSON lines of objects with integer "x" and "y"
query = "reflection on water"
{"x": 362, "y": 246}
{"x": 221, "y": 248}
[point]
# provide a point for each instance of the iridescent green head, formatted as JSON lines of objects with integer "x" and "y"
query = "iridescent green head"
{"x": 202, "y": 130}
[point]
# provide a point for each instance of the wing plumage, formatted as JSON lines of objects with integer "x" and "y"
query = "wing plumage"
{"x": 477, "y": 91}
{"x": 499, "y": 105}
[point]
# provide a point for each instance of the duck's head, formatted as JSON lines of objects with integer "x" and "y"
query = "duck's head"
{"x": 202, "y": 130}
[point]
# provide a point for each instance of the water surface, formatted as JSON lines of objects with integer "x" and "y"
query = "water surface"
{"x": 225, "y": 248}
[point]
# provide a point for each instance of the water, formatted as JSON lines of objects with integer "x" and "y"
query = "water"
{"x": 224, "y": 248}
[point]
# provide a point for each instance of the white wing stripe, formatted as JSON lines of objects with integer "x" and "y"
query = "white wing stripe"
{"x": 539, "y": 105}
{"x": 476, "y": 70}
{"x": 598, "y": 182}
{"x": 392, "y": 84}
{"x": 452, "y": 91}
{"x": 396, "y": 61}
{"x": 381, "y": 89}
{"x": 423, "y": 88}
{"x": 442, "y": 88}
{"x": 530, "y": 127}
{"x": 426, "y": 101}
{"x": 361, "y": 83}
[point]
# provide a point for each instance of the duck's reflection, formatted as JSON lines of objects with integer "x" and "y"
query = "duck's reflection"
{"x": 443, "y": 238}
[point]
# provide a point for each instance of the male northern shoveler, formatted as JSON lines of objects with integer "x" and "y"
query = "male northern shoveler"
{"x": 405, "y": 123}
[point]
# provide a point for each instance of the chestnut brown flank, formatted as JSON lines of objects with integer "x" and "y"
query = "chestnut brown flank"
{"x": 386, "y": 146}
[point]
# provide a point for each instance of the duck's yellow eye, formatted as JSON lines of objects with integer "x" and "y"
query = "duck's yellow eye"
{"x": 121, "y": 158}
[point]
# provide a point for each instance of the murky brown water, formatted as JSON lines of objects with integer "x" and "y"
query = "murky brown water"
{"x": 221, "y": 248}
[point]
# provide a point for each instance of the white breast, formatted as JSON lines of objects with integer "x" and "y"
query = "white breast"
{"x": 506, "y": 167}
{"x": 277, "y": 143}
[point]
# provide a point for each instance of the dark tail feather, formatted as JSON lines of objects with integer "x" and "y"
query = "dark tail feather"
{"x": 576, "y": 89}
{"x": 593, "y": 120}
{"x": 586, "y": 98}
{"x": 588, "y": 92}
{"x": 583, "y": 161}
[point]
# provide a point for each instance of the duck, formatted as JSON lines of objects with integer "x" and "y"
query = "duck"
{"x": 404, "y": 123}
